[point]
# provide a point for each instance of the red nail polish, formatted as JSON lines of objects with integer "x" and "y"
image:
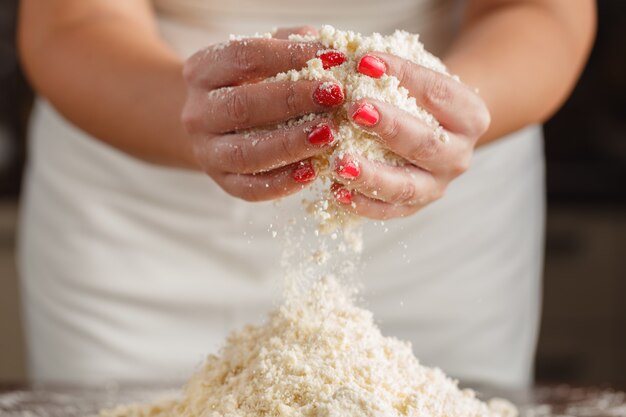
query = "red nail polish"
{"x": 366, "y": 115}
{"x": 304, "y": 172}
{"x": 372, "y": 66}
{"x": 331, "y": 58}
{"x": 321, "y": 135}
{"x": 328, "y": 94}
{"x": 341, "y": 194}
{"x": 348, "y": 168}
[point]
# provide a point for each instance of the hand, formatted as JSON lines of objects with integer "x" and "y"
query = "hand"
{"x": 435, "y": 156}
{"x": 225, "y": 99}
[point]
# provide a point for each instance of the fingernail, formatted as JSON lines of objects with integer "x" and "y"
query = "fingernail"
{"x": 328, "y": 94}
{"x": 372, "y": 66}
{"x": 341, "y": 194}
{"x": 321, "y": 135}
{"x": 347, "y": 168}
{"x": 304, "y": 172}
{"x": 331, "y": 58}
{"x": 366, "y": 115}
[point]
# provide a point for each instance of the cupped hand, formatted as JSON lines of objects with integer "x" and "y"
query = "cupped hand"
{"x": 231, "y": 115}
{"x": 436, "y": 155}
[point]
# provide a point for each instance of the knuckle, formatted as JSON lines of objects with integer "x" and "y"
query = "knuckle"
{"x": 295, "y": 58}
{"x": 194, "y": 68}
{"x": 463, "y": 164}
{"x": 201, "y": 154}
{"x": 189, "y": 71}
{"x": 390, "y": 128}
{"x": 191, "y": 67}
{"x": 406, "y": 194}
{"x": 425, "y": 150}
{"x": 439, "y": 193}
{"x": 191, "y": 116}
{"x": 243, "y": 59}
{"x": 188, "y": 120}
{"x": 461, "y": 159}
{"x": 211, "y": 155}
{"x": 292, "y": 99}
{"x": 288, "y": 148}
{"x": 437, "y": 91}
{"x": 478, "y": 118}
{"x": 236, "y": 158}
{"x": 236, "y": 108}
{"x": 460, "y": 166}
{"x": 404, "y": 72}
{"x": 482, "y": 121}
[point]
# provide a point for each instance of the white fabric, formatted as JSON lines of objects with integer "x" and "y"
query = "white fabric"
{"x": 135, "y": 272}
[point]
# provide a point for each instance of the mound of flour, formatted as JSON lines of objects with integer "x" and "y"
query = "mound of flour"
{"x": 350, "y": 137}
{"x": 318, "y": 355}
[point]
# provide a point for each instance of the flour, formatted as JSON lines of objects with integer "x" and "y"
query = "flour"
{"x": 318, "y": 355}
{"x": 351, "y": 139}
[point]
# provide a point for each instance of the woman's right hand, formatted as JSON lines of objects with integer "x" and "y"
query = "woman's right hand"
{"x": 225, "y": 99}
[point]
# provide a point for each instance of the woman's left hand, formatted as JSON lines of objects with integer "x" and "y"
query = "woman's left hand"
{"x": 436, "y": 156}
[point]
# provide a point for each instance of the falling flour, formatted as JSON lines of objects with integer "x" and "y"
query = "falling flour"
{"x": 319, "y": 354}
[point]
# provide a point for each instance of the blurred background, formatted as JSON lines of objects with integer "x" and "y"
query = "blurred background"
{"x": 583, "y": 331}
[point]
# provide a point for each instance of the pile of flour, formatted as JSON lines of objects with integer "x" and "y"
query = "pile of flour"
{"x": 350, "y": 137}
{"x": 319, "y": 355}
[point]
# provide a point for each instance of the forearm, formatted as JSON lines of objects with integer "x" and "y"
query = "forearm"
{"x": 116, "y": 81}
{"x": 523, "y": 56}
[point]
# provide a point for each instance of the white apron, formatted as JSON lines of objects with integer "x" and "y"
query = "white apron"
{"x": 133, "y": 272}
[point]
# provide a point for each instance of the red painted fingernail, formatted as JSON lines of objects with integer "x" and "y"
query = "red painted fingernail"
{"x": 366, "y": 115}
{"x": 331, "y": 58}
{"x": 372, "y": 66}
{"x": 321, "y": 135}
{"x": 341, "y": 194}
{"x": 347, "y": 168}
{"x": 304, "y": 172}
{"x": 328, "y": 94}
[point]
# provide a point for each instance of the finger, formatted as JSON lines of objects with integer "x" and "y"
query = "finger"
{"x": 432, "y": 149}
{"x": 238, "y": 61}
{"x": 364, "y": 206}
{"x": 246, "y": 60}
{"x": 399, "y": 185}
{"x": 453, "y": 104}
{"x": 257, "y": 105}
{"x": 259, "y": 151}
{"x": 268, "y": 185}
{"x": 284, "y": 33}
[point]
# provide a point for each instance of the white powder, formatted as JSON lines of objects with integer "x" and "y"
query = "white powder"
{"x": 350, "y": 137}
{"x": 319, "y": 355}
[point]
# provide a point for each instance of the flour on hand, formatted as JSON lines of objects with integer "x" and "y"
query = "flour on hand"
{"x": 351, "y": 139}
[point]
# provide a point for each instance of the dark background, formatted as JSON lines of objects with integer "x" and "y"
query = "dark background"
{"x": 583, "y": 332}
